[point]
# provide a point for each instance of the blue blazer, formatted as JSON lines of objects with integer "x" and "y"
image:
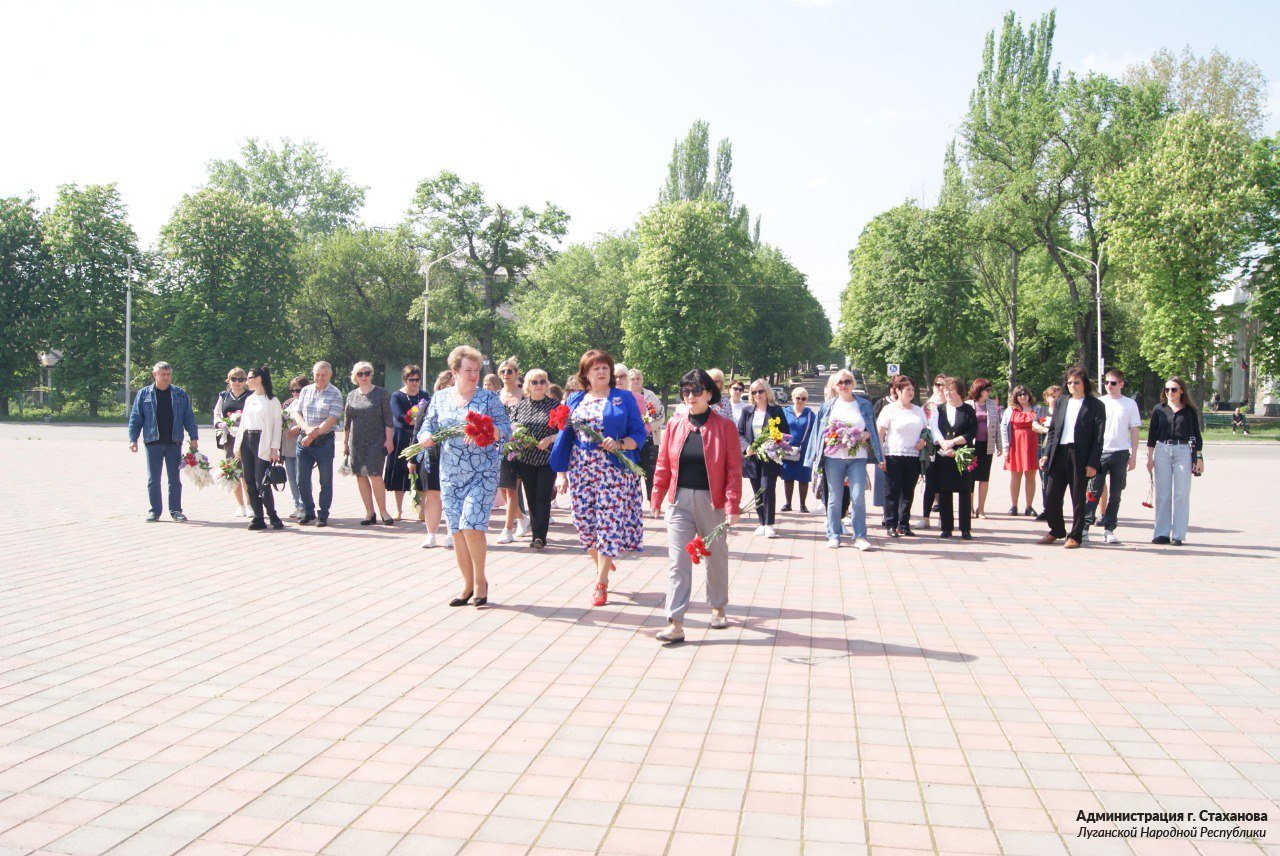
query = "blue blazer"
{"x": 621, "y": 420}
{"x": 817, "y": 450}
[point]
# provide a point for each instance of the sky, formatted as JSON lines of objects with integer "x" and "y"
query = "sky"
{"x": 837, "y": 110}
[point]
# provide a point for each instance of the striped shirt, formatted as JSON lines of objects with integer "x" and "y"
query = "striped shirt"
{"x": 316, "y": 405}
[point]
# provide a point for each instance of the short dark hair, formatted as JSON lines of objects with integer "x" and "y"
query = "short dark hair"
{"x": 901, "y": 382}
{"x": 410, "y": 369}
{"x": 1115, "y": 373}
{"x": 700, "y": 376}
{"x": 591, "y": 358}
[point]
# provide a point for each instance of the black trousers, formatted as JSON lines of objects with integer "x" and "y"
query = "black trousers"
{"x": 539, "y": 488}
{"x": 966, "y": 509}
{"x": 1114, "y": 469}
{"x": 930, "y": 494}
{"x": 254, "y": 468}
{"x": 648, "y": 463}
{"x": 902, "y": 472}
{"x": 1065, "y": 473}
{"x": 767, "y": 485}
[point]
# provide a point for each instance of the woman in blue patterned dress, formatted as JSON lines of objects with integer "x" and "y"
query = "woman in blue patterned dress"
{"x": 468, "y": 473}
{"x": 607, "y": 500}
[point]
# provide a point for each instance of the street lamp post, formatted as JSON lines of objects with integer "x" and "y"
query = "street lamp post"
{"x": 426, "y": 293}
{"x": 128, "y": 332}
{"x": 1097, "y": 269}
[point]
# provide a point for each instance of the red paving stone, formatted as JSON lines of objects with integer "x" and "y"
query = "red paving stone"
{"x": 214, "y": 690}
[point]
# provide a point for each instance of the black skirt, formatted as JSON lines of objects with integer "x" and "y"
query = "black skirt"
{"x": 433, "y": 474}
{"x": 508, "y": 474}
{"x": 395, "y": 472}
{"x": 983, "y": 459}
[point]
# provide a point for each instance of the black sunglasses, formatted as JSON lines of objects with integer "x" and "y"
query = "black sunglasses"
{"x": 692, "y": 389}
{"x": 1113, "y": 382}
{"x": 845, "y": 382}
{"x": 413, "y": 377}
{"x": 1173, "y": 389}
{"x": 537, "y": 383}
{"x": 363, "y": 374}
{"x": 237, "y": 379}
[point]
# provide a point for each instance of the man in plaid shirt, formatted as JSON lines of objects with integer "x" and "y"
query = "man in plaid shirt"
{"x": 317, "y": 412}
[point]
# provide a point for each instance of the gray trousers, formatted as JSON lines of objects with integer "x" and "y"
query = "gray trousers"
{"x": 691, "y": 514}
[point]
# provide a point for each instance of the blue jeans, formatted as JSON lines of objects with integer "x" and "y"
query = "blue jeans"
{"x": 168, "y": 455}
{"x": 291, "y": 470}
{"x": 835, "y": 471}
{"x": 1173, "y": 490}
{"x": 320, "y": 457}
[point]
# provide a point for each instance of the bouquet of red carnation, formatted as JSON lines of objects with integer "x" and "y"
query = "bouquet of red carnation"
{"x": 476, "y": 429}
{"x": 698, "y": 547}
{"x": 559, "y": 417}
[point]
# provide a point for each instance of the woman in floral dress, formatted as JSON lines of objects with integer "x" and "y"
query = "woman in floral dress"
{"x": 468, "y": 473}
{"x": 607, "y": 500}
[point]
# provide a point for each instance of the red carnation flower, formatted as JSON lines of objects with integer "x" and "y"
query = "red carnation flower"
{"x": 696, "y": 549}
{"x": 559, "y": 417}
{"x": 479, "y": 429}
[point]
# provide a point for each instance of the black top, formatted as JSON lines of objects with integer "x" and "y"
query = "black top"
{"x": 753, "y": 467}
{"x": 1091, "y": 424}
{"x": 693, "y": 458}
{"x": 947, "y": 478}
{"x": 1180, "y": 427}
{"x": 164, "y": 414}
{"x": 533, "y": 416}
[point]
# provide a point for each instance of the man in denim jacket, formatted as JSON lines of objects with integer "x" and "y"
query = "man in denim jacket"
{"x": 161, "y": 413}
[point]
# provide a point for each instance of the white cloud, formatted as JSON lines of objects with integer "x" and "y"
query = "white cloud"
{"x": 1105, "y": 62}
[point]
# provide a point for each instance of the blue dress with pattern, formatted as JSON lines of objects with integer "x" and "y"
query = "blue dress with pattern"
{"x": 607, "y": 500}
{"x": 468, "y": 474}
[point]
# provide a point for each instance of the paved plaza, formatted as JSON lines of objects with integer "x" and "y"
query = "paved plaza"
{"x": 202, "y": 689}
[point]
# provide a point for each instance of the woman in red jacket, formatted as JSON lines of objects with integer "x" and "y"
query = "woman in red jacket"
{"x": 699, "y": 473}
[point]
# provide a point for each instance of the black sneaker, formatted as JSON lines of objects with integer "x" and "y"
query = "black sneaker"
{"x": 256, "y": 524}
{"x": 152, "y": 517}
{"x": 1160, "y": 539}
{"x": 538, "y": 544}
{"x": 178, "y": 516}
{"x": 323, "y": 522}
{"x": 1177, "y": 542}
{"x": 306, "y": 520}
{"x": 276, "y": 523}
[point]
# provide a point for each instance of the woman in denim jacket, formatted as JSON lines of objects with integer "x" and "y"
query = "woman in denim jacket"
{"x": 840, "y": 465}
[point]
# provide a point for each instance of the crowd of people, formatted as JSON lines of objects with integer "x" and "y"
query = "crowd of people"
{"x": 600, "y": 439}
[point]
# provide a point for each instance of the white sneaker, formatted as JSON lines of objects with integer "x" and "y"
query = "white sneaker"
{"x": 295, "y": 514}
{"x": 833, "y": 543}
{"x": 861, "y": 544}
{"x": 769, "y": 533}
{"x": 759, "y": 531}
{"x": 1109, "y": 537}
{"x": 506, "y": 537}
{"x": 719, "y": 621}
{"x": 522, "y": 527}
{"x": 428, "y": 542}
{"x": 242, "y": 512}
{"x": 448, "y": 540}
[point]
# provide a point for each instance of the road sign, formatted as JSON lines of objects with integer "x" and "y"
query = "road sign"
{"x": 893, "y": 368}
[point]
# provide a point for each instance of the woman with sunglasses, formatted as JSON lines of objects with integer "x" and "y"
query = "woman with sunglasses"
{"x": 801, "y": 423}
{"x": 987, "y": 442}
{"x": 763, "y": 475}
{"x": 1174, "y": 445}
{"x": 935, "y": 400}
{"x": 289, "y": 445}
{"x": 367, "y": 440}
{"x": 396, "y": 475}
{"x": 607, "y": 504}
{"x": 1020, "y": 439}
{"x": 699, "y": 475}
{"x": 953, "y": 425}
{"x": 226, "y": 416}
{"x": 258, "y": 445}
{"x": 534, "y": 465}
{"x": 901, "y": 424}
{"x": 841, "y": 465}
{"x": 511, "y": 392}
{"x": 737, "y": 389}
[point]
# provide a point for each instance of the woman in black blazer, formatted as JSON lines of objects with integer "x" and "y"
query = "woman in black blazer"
{"x": 1072, "y": 455}
{"x": 763, "y": 474}
{"x": 954, "y": 424}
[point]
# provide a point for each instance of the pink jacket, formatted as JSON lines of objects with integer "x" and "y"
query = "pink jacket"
{"x": 723, "y": 455}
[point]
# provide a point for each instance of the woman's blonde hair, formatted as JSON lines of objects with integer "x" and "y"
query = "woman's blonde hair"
{"x": 510, "y": 362}
{"x": 363, "y": 364}
{"x": 718, "y": 377}
{"x": 768, "y": 390}
{"x": 492, "y": 383}
{"x": 235, "y": 370}
{"x": 444, "y": 380}
{"x": 836, "y": 378}
{"x": 533, "y": 374}
{"x": 464, "y": 352}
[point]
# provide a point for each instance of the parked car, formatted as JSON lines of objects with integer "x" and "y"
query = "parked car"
{"x": 780, "y": 393}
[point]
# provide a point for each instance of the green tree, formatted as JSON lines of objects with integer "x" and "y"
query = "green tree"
{"x": 360, "y": 299}
{"x": 683, "y": 309}
{"x": 26, "y": 300}
{"x": 295, "y": 179}
{"x": 1263, "y": 265}
{"x": 1180, "y": 220}
{"x": 574, "y": 303}
{"x": 1216, "y": 85}
{"x": 89, "y": 237}
{"x": 784, "y": 320}
{"x": 501, "y": 245}
{"x": 228, "y": 277}
{"x": 690, "y": 175}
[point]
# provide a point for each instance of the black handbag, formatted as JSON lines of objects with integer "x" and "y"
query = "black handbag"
{"x": 273, "y": 476}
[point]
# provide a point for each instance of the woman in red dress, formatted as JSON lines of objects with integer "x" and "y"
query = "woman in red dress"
{"x": 1022, "y": 442}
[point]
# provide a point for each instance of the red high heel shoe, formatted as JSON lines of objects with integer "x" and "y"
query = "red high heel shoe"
{"x": 602, "y": 595}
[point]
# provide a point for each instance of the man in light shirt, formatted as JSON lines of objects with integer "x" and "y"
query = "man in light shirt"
{"x": 317, "y": 412}
{"x": 1119, "y": 455}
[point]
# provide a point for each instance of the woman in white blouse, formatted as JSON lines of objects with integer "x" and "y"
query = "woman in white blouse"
{"x": 901, "y": 424}
{"x": 258, "y": 444}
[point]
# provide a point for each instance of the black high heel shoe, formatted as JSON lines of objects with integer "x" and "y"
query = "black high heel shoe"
{"x": 461, "y": 601}
{"x": 482, "y": 600}
{"x": 370, "y": 521}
